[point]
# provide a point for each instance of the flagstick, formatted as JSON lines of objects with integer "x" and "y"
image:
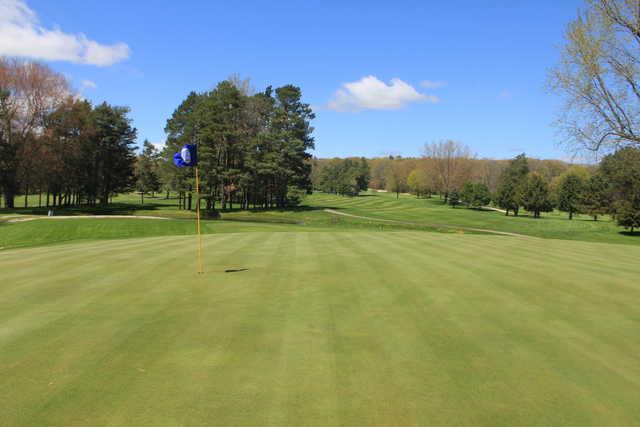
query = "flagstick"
{"x": 200, "y": 270}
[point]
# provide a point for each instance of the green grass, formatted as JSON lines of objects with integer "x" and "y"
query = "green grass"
{"x": 555, "y": 225}
{"x": 410, "y": 212}
{"x": 326, "y": 320}
{"x": 48, "y": 231}
{"x": 52, "y": 231}
{"x": 323, "y": 328}
{"x": 43, "y": 232}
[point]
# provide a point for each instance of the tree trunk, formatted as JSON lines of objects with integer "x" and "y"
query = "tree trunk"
{"x": 9, "y": 193}
{"x": 104, "y": 200}
{"x": 142, "y": 198}
{"x": 189, "y": 201}
{"x": 8, "y": 199}
{"x": 570, "y": 215}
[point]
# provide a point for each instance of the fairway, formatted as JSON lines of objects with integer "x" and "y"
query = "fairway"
{"x": 321, "y": 328}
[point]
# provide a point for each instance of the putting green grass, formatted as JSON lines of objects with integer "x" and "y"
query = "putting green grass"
{"x": 47, "y": 231}
{"x": 322, "y": 328}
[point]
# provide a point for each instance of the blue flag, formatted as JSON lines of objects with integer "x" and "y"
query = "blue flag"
{"x": 187, "y": 156}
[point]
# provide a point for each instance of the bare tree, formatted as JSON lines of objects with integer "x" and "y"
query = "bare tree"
{"x": 489, "y": 172}
{"x": 450, "y": 161}
{"x": 397, "y": 175}
{"x": 242, "y": 84}
{"x": 28, "y": 93}
{"x": 599, "y": 73}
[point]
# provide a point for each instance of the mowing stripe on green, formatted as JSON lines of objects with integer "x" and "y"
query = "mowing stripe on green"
{"x": 323, "y": 328}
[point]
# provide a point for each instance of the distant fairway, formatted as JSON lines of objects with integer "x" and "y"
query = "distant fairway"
{"x": 324, "y": 328}
{"x": 384, "y": 210}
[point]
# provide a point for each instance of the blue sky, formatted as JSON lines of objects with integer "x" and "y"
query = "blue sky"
{"x": 384, "y": 77}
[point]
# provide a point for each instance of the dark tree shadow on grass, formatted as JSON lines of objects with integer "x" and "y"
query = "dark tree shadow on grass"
{"x": 112, "y": 209}
{"x": 303, "y": 208}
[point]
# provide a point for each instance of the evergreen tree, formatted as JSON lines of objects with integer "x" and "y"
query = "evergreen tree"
{"x": 293, "y": 129}
{"x": 622, "y": 171}
{"x": 364, "y": 174}
{"x": 180, "y": 130}
{"x": 467, "y": 193}
{"x": 536, "y": 195}
{"x": 508, "y": 195}
{"x": 112, "y": 168}
{"x": 475, "y": 195}
{"x": 146, "y": 172}
{"x": 570, "y": 192}
{"x": 596, "y": 197}
{"x": 69, "y": 144}
{"x": 454, "y": 198}
{"x": 252, "y": 149}
{"x": 344, "y": 176}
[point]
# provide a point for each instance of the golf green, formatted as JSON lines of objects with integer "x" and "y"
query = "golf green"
{"x": 321, "y": 328}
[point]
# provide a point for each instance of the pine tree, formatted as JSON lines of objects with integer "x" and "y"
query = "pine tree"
{"x": 570, "y": 192}
{"x": 146, "y": 172}
{"x": 114, "y": 151}
{"x": 508, "y": 195}
{"x": 475, "y": 195}
{"x": 454, "y": 198}
{"x": 536, "y": 195}
{"x": 253, "y": 149}
{"x": 596, "y": 197}
{"x": 622, "y": 171}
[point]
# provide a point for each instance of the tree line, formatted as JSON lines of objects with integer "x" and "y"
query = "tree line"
{"x": 253, "y": 147}
{"x": 53, "y": 143}
{"x": 347, "y": 177}
{"x": 611, "y": 188}
{"x": 448, "y": 169}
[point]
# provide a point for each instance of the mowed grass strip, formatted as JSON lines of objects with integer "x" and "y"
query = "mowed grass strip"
{"x": 50, "y": 231}
{"x": 433, "y": 211}
{"x": 323, "y": 328}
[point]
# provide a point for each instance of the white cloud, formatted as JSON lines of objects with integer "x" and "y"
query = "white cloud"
{"x": 22, "y": 35}
{"x": 370, "y": 93}
{"x": 87, "y": 84}
{"x": 430, "y": 84}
